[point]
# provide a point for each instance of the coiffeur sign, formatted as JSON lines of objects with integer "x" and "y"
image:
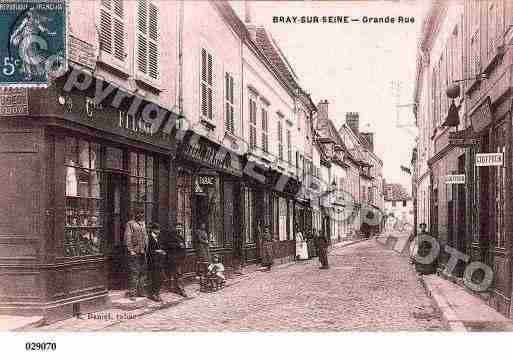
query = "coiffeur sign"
{"x": 489, "y": 159}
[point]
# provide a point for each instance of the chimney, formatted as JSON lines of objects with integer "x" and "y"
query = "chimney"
{"x": 322, "y": 110}
{"x": 369, "y": 140}
{"x": 353, "y": 121}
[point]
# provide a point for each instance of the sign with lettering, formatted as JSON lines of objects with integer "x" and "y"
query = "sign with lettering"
{"x": 13, "y": 102}
{"x": 212, "y": 157}
{"x": 455, "y": 179}
{"x": 489, "y": 159}
{"x": 33, "y": 41}
{"x": 206, "y": 180}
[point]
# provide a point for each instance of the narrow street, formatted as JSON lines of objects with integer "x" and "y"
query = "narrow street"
{"x": 369, "y": 287}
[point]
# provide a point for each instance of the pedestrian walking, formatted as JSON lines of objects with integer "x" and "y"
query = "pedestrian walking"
{"x": 322, "y": 248}
{"x": 267, "y": 248}
{"x": 156, "y": 258}
{"x": 136, "y": 240}
{"x": 301, "y": 245}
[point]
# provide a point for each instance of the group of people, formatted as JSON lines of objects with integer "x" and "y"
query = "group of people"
{"x": 153, "y": 254}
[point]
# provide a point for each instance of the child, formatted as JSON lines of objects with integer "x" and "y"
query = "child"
{"x": 217, "y": 269}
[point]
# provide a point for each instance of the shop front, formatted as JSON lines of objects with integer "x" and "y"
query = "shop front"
{"x": 208, "y": 187}
{"x": 269, "y": 203}
{"x": 75, "y": 172}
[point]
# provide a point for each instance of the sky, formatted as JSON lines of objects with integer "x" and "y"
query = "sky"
{"x": 356, "y": 66}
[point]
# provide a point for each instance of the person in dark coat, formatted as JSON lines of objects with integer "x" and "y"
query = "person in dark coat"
{"x": 322, "y": 248}
{"x": 176, "y": 258}
{"x": 136, "y": 240}
{"x": 156, "y": 258}
{"x": 267, "y": 249}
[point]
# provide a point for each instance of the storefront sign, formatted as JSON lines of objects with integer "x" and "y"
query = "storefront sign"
{"x": 206, "y": 180}
{"x": 482, "y": 116}
{"x": 33, "y": 41}
{"x": 13, "y": 102}
{"x": 211, "y": 157}
{"x": 489, "y": 159}
{"x": 455, "y": 179}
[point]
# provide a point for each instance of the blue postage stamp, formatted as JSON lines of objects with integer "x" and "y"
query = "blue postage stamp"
{"x": 33, "y": 42}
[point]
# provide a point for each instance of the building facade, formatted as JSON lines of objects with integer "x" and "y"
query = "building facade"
{"x": 464, "y": 47}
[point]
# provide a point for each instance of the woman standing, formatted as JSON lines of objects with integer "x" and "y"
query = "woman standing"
{"x": 301, "y": 245}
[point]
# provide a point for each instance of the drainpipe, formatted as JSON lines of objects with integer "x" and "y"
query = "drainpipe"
{"x": 180, "y": 56}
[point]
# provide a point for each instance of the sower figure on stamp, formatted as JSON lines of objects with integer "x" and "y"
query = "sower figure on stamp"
{"x": 136, "y": 239}
{"x": 176, "y": 258}
{"x": 156, "y": 258}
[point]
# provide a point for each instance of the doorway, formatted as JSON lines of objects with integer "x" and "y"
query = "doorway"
{"x": 116, "y": 217}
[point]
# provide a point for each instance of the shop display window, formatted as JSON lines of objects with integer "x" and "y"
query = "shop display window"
{"x": 184, "y": 211}
{"x": 83, "y": 222}
{"x": 215, "y": 217}
{"x": 142, "y": 183}
{"x": 249, "y": 213}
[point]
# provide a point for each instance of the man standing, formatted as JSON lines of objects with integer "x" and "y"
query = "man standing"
{"x": 177, "y": 257}
{"x": 136, "y": 240}
{"x": 322, "y": 248}
{"x": 156, "y": 257}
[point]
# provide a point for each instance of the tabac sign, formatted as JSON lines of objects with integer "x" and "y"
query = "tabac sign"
{"x": 32, "y": 42}
{"x": 489, "y": 159}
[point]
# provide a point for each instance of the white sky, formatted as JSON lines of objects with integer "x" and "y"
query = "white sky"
{"x": 353, "y": 65}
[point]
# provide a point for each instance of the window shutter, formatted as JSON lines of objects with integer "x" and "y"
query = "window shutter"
{"x": 105, "y": 31}
{"x": 204, "y": 110}
{"x": 232, "y": 100}
{"x": 153, "y": 54}
{"x": 119, "y": 40}
{"x": 141, "y": 54}
{"x": 142, "y": 16}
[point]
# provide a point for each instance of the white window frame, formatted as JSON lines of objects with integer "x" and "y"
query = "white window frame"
{"x": 279, "y": 130}
{"x": 145, "y": 35}
{"x": 109, "y": 56}
{"x": 252, "y": 113}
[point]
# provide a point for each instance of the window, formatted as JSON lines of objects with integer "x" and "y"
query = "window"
{"x": 289, "y": 147}
{"x": 230, "y": 104}
{"x": 280, "y": 140}
{"x": 184, "y": 211}
{"x": 207, "y": 85}
{"x": 393, "y": 203}
{"x": 282, "y": 202}
{"x": 252, "y": 124}
{"x": 142, "y": 184}
{"x": 265, "y": 127}
{"x": 215, "y": 215}
{"x": 84, "y": 198}
{"x": 475, "y": 66}
{"x": 492, "y": 28}
{"x": 147, "y": 39}
{"x": 249, "y": 203}
{"x": 404, "y": 203}
{"x": 112, "y": 31}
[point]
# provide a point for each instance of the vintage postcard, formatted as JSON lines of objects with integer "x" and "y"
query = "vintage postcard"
{"x": 255, "y": 166}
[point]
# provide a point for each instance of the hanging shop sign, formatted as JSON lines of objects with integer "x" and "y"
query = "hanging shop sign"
{"x": 455, "y": 179}
{"x": 13, "y": 102}
{"x": 482, "y": 116}
{"x": 489, "y": 159}
{"x": 464, "y": 138}
{"x": 204, "y": 180}
{"x": 33, "y": 42}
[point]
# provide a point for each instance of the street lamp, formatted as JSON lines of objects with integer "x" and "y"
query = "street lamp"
{"x": 453, "y": 119}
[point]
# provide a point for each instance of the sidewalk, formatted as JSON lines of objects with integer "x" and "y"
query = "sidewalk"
{"x": 12, "y": 322}
{"x": 462, "y": 310}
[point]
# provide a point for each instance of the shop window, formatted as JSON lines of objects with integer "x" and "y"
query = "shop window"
{"x": 84, "y": 201}
{"x": 142, "y": 184}
{"x": 282, "y": 218}
{"x": 215, "y": 218}
{"x": 404, "y": 203}
{"x": 249, "y": 203}
{"x": 184, "y": 211}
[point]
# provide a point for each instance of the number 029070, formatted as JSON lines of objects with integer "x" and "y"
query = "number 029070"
{"x": 31, "y": 346}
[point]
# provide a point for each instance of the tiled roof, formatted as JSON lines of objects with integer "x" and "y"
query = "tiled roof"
{"x": 396, "y": 192}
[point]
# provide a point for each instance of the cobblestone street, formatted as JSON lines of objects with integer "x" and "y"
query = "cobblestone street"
{"x": 369, "y": 287}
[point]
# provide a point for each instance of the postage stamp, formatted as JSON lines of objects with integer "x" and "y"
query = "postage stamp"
{"x": 33, "y": 41}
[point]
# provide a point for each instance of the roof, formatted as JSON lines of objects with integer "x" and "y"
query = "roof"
{"x": 395, "y": 192}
